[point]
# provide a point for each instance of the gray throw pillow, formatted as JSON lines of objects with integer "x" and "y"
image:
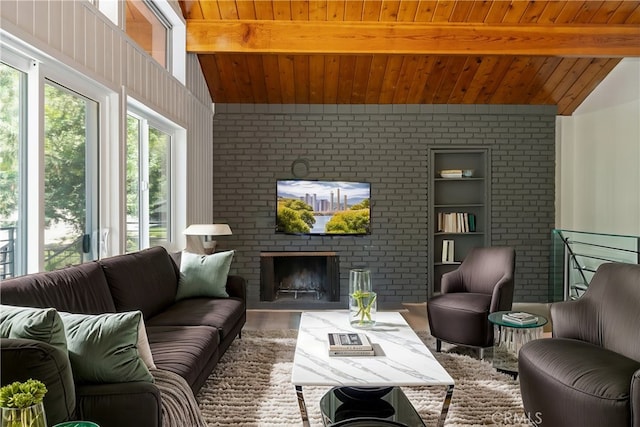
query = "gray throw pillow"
{"x": 204, "y": 275}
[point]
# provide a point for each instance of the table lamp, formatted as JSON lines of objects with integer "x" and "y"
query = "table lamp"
{"x": 200, "y": 237}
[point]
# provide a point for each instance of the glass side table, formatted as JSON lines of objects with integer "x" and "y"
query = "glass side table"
{"x": 390, "y": 405}
{"x": 509, "y": 337}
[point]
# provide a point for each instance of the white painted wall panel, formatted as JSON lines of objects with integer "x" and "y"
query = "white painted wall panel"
{"x": 78, "y": 35}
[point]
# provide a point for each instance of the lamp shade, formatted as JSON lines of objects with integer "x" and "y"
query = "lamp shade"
{"x": 208, "y": 230}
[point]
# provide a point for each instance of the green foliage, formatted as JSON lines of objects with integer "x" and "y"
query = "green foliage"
{"x": 9, "y": 128}
{"x": 349, "y": 222}
{"x": 64, "y": 147}
{"x": 362, "y": 205}
{"x": 290, "y": 221}
{"x": 294, "y": 216}
{"x": 22, "y": 395}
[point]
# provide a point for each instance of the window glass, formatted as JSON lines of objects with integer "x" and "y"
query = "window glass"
{"x": 159, "y": 196}
{"x": 148, "y": 184}
{"x": 70, "y": 126}
{"x": 12, "y": 101}
{"x": 148, "y": 28}
{"x": 132, "y": 184}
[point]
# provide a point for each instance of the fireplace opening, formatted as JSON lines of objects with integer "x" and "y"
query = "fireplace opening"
{"x": 299, "y": 276}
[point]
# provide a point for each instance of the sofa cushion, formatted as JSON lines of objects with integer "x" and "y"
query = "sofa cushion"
{"x": 79, "y": 289}
{"x": 103, "y": 347}
{"x": 204, "y": 275}
{"x": 39, "y": 324}
{"x": 220, "y": 313}
{"x": 146, "y": 280}
{"x": 184, "y": 350}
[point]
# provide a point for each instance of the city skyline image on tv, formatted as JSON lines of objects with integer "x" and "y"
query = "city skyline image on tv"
{"x": 323, "y": 207}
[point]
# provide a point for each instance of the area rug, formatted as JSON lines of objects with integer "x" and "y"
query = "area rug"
{"x": 251, "y": 386}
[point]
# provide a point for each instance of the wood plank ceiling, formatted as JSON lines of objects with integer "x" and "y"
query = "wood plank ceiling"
{"x": 409, "y": 51}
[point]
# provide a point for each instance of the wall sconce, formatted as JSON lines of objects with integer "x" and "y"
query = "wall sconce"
{"x": 200, "y": 237}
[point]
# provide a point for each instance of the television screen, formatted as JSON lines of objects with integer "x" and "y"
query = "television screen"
{"x": 323, "y": 207}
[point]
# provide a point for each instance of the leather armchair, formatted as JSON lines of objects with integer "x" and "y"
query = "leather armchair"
{"x": 482, "y": 284}
{"x": 588, "y": 373}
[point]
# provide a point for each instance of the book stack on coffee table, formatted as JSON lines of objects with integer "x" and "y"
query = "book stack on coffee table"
{"x": 349, "y": 344}
{"x": 519, "y": 318}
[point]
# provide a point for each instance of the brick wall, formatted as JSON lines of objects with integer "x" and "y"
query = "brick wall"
{"x": 386, "y": 145}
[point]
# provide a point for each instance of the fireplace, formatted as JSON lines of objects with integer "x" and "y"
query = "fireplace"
{"x": 307, "y": 277}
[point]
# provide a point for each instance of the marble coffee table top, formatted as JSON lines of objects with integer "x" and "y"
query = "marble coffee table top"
{"x": 401, "y": 358}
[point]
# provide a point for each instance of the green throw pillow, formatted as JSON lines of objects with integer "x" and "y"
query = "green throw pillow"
{"x": 39, "y": 324}
{"x": 103, "y": 347}
{"x": 204, "y": 275}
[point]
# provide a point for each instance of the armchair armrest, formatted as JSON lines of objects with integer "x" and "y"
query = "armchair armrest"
{"x": 575, "y": 319}
{"x": 502, "y": 295}
{"x": 120, "y": 404}
{"x": 451, "y": 282}
{"x": 237, "y": 287}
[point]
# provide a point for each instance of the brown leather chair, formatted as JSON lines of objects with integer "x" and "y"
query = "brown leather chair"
{"x": 588, "y": 374}
{"x": 481, "y": 285}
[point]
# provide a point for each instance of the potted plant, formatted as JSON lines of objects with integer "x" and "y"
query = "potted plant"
{"x": 21, "y": 404}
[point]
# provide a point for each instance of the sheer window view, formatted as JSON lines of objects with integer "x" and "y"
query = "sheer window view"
{"x": 11, "y": 105}
{"x": 70, "y": 125}
{"x": 148, "y": 185}
{"x": 146, "y": 27}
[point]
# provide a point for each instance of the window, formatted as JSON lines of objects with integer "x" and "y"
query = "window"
{"x": 12, "y": 137}
{"x": 145, "y": 24}
{"x": 148, "y": 182}
{"x": 70, "y": 176}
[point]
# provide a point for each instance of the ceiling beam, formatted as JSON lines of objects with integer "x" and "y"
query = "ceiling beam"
{"x": 411, "y": 38}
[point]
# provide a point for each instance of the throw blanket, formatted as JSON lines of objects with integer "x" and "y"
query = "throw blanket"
{"x": 179, "y": 406}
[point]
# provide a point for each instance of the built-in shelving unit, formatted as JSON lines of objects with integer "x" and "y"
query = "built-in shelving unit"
{"x": 459, "y": 208}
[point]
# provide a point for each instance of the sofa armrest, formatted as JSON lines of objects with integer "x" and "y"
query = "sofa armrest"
{"x": 24, "y": 358}
{"x": 121, "y": 404}
{"x": 451, "y": 282}
{"x": 575, "y": 320}
{"x": 237, "y": 287}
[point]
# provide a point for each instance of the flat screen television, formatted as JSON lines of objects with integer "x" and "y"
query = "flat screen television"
{"x": 336, "y": 208}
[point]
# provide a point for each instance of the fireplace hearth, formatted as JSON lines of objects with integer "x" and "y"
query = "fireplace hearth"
{"x": 308, "y": 277}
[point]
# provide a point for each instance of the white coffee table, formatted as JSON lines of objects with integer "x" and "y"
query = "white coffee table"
{"x": 401, "y": 358}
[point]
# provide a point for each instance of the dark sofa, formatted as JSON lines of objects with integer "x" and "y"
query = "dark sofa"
{"x": 186, "y": 337}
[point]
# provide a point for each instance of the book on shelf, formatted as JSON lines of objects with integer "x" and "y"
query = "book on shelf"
{"x": 348, "y": 341}
{"x": 451, "y": 173}
{"x": 519, "y": 318}
{"x": 448, "y": 251}
{"x": 456, "y": 222}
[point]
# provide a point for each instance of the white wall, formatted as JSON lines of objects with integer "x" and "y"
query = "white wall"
{"x": 598, "y": 155}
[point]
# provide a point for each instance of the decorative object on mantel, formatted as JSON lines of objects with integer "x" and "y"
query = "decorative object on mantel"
{"x": 200, "y": 237}
{"x": 362, "y": 299}
{"x": 22, "y": 405}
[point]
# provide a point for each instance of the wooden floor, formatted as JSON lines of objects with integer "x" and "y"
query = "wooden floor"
{"x": 414, "y": 314}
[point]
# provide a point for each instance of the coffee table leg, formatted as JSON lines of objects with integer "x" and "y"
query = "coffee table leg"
{"x": 445, "y": 405}
{"x": 303, "y": 406}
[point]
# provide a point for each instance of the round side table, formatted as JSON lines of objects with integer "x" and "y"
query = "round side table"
{"x": 509, "y": 337}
